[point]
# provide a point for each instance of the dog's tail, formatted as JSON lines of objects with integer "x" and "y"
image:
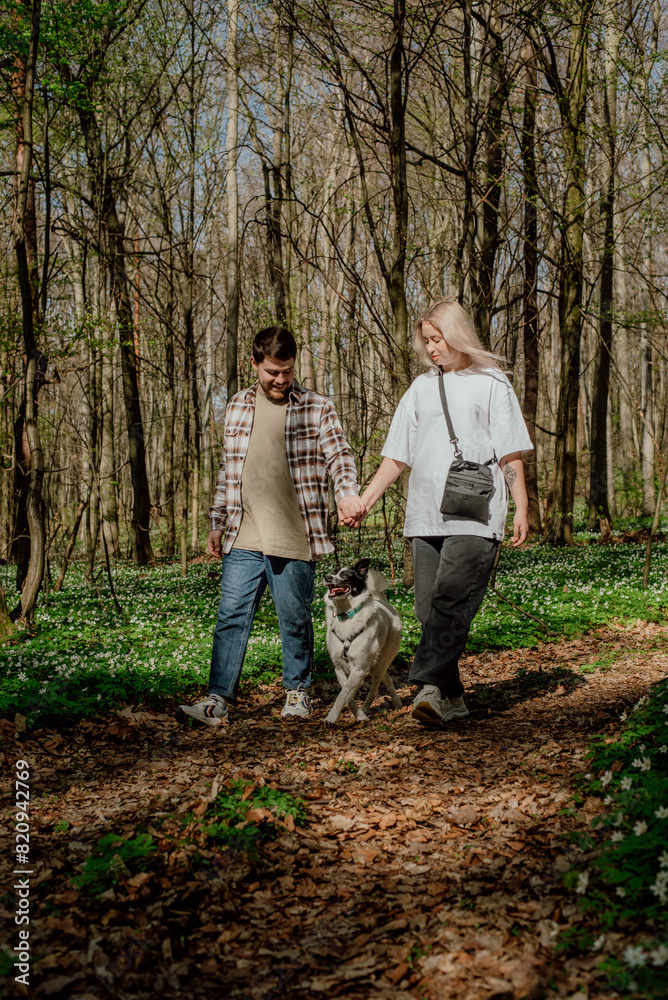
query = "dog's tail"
{"x": 376, "y": 583}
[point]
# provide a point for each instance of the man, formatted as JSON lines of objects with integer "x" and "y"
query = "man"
{"x": 269, "y": 520}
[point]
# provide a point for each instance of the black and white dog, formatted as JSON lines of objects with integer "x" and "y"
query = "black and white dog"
{"x": 363, "y": 635}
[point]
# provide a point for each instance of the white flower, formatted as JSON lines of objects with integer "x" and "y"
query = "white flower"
{"x": 642, "y": 748}
{"x": 607, "y": 778}
{"x": 607, "y": 800}
{"x": 623, "y": 716}
{"x": 660, "y": 955}
{"x": 621, "y": 892}
{"x": 660, "y": 886}
{"x": 627, "y": 783}
{"x": 640, "y": 827}
{"x": 643, "y": 765}
{"x": 617, "y": 836}
{"x": 588, "y": 775}
{"x": 598, "y": 943}
{"x": 582, "y": 883}
{"x": 662, "y": 812}
{"x": 635, "y": 956}
{"x": 663, "y": 859}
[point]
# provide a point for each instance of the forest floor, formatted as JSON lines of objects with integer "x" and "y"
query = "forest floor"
{"x": 430, "y": 864}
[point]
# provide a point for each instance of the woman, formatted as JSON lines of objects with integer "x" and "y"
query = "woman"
{"x": 452, "y": 558}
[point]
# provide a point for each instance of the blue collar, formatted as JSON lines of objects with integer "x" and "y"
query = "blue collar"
{"x": 349, "y": 614}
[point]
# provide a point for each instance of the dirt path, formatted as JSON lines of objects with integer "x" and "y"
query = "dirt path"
{"x": 430, "y": 864}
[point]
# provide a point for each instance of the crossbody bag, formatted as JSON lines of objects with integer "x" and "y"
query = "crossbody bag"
{"x": 469, "y": 486}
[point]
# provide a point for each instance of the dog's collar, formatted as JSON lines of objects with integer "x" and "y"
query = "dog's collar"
{"x": 348, "y": 614}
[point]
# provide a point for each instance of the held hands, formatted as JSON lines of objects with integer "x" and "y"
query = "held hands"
{"x": 352, "y": 511}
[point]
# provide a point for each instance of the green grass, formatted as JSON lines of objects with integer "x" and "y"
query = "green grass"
{"x": 85, "y": 658}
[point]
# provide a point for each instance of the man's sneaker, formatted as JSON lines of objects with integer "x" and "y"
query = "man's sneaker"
{"x": 453, "y": 708}
{"x": 212, "y": 711}
{"x": 428, "y": 706}
{"x": 296, "y": 705}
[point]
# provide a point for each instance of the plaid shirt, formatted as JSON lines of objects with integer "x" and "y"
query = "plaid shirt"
{"x": 315, "y": 448}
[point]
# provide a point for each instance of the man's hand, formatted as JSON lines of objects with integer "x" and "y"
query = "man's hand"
{"x": 352, "y": 511}
{"x": 214, "y": 543}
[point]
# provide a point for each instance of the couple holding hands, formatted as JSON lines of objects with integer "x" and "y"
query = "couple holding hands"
{"x": 459, "y": 422}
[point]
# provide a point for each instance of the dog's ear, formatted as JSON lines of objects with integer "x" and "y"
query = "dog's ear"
{"x": 362, "y": 567}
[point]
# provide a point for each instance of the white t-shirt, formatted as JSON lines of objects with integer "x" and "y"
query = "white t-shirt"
{"x": 487, "y": 421}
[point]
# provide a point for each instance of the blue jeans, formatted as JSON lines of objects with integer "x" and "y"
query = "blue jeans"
{"x": 245, "y": 577}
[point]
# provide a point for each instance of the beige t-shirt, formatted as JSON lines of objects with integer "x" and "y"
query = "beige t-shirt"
{"x": 272, "y": 522}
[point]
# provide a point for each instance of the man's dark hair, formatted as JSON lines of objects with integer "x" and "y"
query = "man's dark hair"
{"x": 274, "y": 342}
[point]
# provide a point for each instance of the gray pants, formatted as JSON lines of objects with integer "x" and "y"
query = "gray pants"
{"x": 451, "y": 575}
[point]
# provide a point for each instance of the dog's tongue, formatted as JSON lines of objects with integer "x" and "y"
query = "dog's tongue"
{"x": 337, "y": 591}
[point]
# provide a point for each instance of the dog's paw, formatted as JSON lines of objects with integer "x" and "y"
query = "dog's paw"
{"x": 362, "y": 718}
{"x": 332, "y": 720}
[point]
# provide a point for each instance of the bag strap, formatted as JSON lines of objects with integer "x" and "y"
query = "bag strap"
{"x": 451, "y": 431}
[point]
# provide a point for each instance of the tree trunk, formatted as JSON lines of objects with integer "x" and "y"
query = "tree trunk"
{"x": 189, "y": 401}
{"x": 647, "y": 438}
{"x": 286, "y": 159}
{"x": 170, "y": 420}
{"x": 34, "y": 505}
{"x": 306, "y": 372}
{"x": 272, "y": 203}
{"x": 20, "y": 539}
{"x": 92, "y": 459}
{"x": 646, "y": 352}
{"x": 105, "y": 205}
{"x": 185, "y": 465}
{"x": 483, "y": 273}
{"x": 141, "y": 509}
{"x": 599, "y": 509}
{"x": 612, "y": 502}
{"x": 625, "y": 456}
{"x": 7, "y": 626}
{"x": 108, "y": 485}
{"x": 207, "y": 407}
{"x": 25, "y": 246}
{"x": 572, "y": 103}
{"x": 197, "y": 441}
{"x": 397, "y": 276}
{"x": 530, "y": 289}
{"x": 231, "y": 156}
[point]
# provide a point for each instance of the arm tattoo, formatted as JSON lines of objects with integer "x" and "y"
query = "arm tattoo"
{"x": 511, "y": 476}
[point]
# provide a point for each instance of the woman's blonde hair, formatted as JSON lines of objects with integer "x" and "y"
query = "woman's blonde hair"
{"x": 453, "y": 323}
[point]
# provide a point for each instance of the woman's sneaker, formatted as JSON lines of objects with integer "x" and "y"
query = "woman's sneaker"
{"x": 296, "y": 705}
{"x": 430, "y": 709}
{"x": 454, "y": 708}
{"x": 428, "y": 706}
{"x": 212, "y": 711}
